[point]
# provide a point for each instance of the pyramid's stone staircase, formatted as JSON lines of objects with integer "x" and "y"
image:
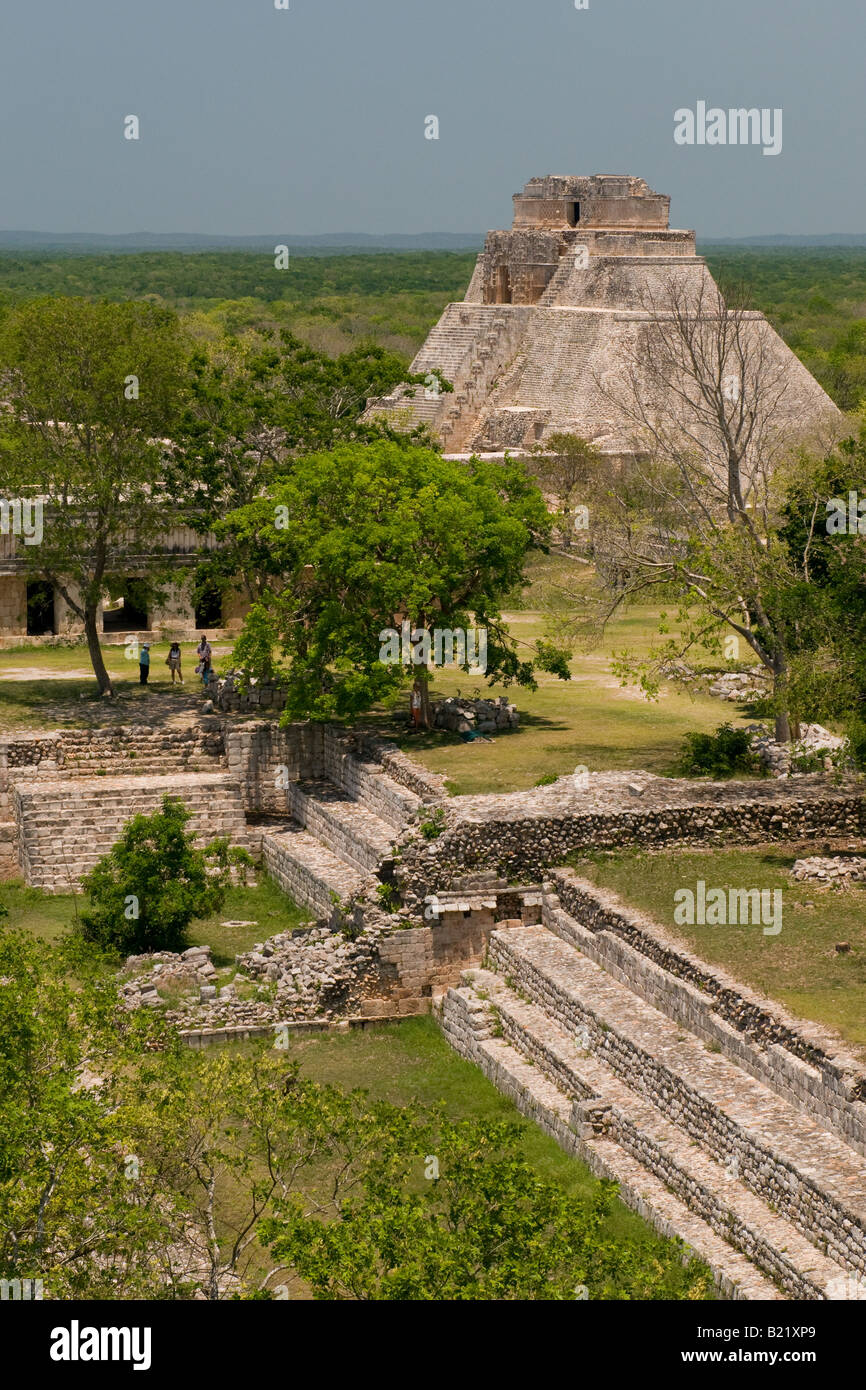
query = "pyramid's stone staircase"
{"x": 771, "y": 1198}
{"x": 342, "y": 832}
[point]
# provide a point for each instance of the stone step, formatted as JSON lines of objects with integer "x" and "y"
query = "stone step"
{"x": 308, "y": 871}
{"x": 712, "y": 1008}
{"x": 365, "y": 782}
{"x": 346, "y": 827}
{"x": 66, "y": 825}
{"x": 812, "y": 1178}
{"x": 467, "y": 1023}
{"x": 656, "y": 1144}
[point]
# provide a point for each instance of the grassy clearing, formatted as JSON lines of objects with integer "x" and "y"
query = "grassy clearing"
{"x": 266, "y": 907}
{"x": 591, "y": 719}
{"x": 411, "y": 1062}
{"x": 43, "y": 686}
{"x": 800, "y": 967}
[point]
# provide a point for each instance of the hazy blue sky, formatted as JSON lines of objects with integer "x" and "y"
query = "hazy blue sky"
{"x": 255, "y": 120}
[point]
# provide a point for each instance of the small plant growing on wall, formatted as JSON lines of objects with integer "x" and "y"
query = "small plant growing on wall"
{"x": 388, "y": 895}
{"x": 433, "y": 826}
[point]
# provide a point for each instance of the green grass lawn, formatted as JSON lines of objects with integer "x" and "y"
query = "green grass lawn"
{"x": 799, "y": 967}
{"x": 411, "y": 1062}
{"x": 266, "y": 906}
{"x": 591, "y": 719}
{"x": 41, "y": 686}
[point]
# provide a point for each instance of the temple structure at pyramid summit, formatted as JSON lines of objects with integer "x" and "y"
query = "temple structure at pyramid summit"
{"x": 556, "y": 311}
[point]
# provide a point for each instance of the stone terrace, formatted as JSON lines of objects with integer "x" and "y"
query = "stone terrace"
{"x": 520, "y": 834}
{"x": 66, "y": 826}
{"x": 774, "y": 1201}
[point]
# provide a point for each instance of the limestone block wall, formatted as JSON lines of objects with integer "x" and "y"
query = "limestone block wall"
{"x": 35, "y": 756}
{"x": 263, "y": 756}
{"x": 767, "y": 1172}
{"x": 423, "y": 961}
{"x": 13, "y": 604}
{"x": 798, "y": 1060}
{"x": 523, "y": 846}
{"x": 66, "y": 826}
{"x": 429, "y": 786}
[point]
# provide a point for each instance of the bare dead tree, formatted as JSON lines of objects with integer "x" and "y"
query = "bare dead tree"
{"x": 710, "y": 406}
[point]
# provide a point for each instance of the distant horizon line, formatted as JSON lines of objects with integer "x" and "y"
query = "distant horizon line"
{"x": 145, "y": 240}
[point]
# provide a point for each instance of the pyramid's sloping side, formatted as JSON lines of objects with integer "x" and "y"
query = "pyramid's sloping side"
{"x": 577, "y": 371}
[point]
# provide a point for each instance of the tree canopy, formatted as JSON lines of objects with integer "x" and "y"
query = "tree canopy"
{"x": 354, "y": 541}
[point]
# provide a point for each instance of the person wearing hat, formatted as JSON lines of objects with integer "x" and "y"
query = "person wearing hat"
{"x": 144, "y": 663}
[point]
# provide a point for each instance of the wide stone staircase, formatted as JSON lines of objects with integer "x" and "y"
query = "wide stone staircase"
{"x": 773, "y": 1200}
{"x": 342, "y": 831}
{"x": 65, "y": 825}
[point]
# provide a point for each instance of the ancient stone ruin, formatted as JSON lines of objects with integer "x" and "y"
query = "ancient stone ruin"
{"x": 556, "y": 309}
{"x": 725, "y": 1121}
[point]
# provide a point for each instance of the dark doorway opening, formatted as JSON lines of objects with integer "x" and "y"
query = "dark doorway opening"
{"x": 208, "y": 607}
{"x": 40, "y": 608}
{"x": 575, "y": 214}
{"x": 131, "y": 614}
{"x": 503, "y": 285}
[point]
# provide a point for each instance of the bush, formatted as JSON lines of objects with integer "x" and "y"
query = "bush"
{"x": 145, "y": 892}
{"x": 433, "y": 827}
{"x": 722, "y": 754}
{"x": 856, "y": 733}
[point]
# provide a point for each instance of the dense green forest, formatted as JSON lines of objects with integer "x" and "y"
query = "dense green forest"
{"x": 331, "y": 301}
{"x": 816, "y": 298}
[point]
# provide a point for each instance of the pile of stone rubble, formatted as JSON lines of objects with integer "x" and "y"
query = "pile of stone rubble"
{"x": 460, "y": 716}
{"x": 257, "y": 694}
{"x": 814, "y": 742}
{"x": 835, "y": 872}
{"x": 192, "y": 969}
{"x": 737, "y": 686}
{"x": 316, "y": 973}
{"x": 734, "y": 686}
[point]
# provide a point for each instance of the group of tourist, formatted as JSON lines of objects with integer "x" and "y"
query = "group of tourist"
{"x": 204, "y": 652}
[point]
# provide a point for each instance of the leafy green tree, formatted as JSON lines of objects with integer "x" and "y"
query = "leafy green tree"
{"x": 145, "y": 892}
{"x": 827, "y": 555}
{"x": 91, "y": 392}
{"x": 355, "y": 541}
{"x": 68, "y": 1213}
{"x": 254, "y": 406}
{"x": 568, "y": 468}
{"x": 432, "y": 1209}
{"x": 131, "y": 1167}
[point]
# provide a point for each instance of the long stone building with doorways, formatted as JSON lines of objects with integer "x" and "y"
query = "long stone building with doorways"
{"x": 32, "y": 608}
{"x": 558, "y": 308}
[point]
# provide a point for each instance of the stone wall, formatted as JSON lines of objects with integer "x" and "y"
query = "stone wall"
{"x": 424, "y": 961}
{"x": 264, "y": 757}
{"x": 13, "y": 605}
{"x": 66, "y": 826}
{"x": 429, "y": 786}
{"x": 522, "y": 843}
{"x": 772, "y": 1175}
{"x": 800, "y": 1061}
{"x": 258, "y": 695}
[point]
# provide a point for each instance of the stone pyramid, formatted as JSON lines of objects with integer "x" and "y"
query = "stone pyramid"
{"x": 556, "y": 310}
